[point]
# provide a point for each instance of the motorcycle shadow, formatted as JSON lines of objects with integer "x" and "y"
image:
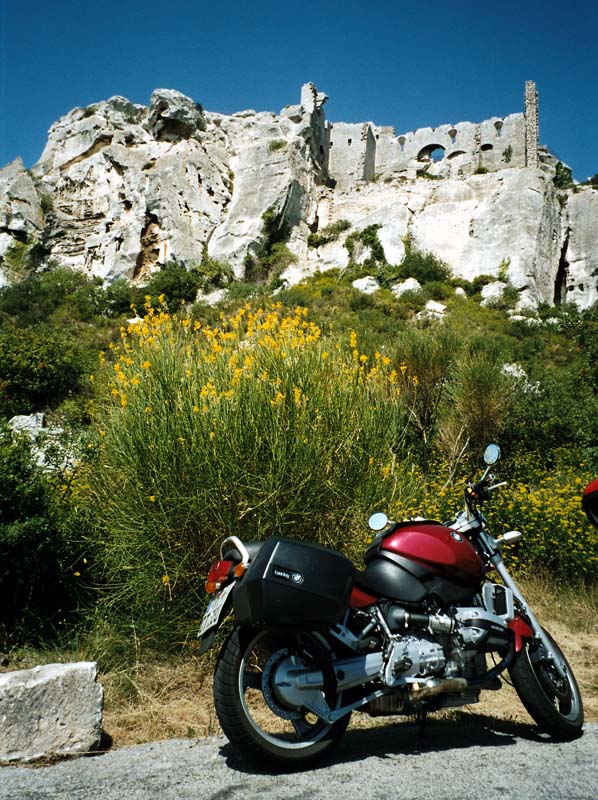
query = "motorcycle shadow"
{"x": 407, "y": 738}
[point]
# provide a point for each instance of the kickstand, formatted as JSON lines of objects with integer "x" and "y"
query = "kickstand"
{"x": 421, "y": 718}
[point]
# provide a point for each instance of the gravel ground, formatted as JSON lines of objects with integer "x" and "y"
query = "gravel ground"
{"x": 452, "y": 762}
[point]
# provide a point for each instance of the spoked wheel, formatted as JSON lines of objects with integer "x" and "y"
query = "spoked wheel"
{"x": 251, "y": 709}
{"x": 552, "y": 701}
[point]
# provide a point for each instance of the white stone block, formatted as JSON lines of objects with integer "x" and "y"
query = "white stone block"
{"x": 55, "y": 709}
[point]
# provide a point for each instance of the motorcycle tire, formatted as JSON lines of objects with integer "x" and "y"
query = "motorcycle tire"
{"x": 554, "y": 703}
{"x": 251, "y": 715}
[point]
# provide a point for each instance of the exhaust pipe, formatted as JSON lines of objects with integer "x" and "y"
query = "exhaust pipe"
{"x": 446, "y": 686}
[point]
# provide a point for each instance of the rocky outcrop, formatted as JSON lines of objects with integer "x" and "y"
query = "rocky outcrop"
{"x": 51, "y": 710}
{"x": 121, "y": 189}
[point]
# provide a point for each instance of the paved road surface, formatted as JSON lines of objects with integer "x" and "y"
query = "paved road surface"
{"x": 482, "y": 759}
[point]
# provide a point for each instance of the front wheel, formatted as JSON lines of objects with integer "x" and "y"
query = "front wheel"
{"x": 252, "y": 715}
{"x": 554, "y": 703}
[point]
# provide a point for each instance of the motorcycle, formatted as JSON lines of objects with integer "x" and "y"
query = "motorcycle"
{"x": 314, "y": 639}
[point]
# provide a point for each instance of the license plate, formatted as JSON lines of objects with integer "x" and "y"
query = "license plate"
{"x": 211, "y": 618}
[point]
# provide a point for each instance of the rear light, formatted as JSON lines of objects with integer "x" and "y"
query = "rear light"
{"x": 218, "y": 574}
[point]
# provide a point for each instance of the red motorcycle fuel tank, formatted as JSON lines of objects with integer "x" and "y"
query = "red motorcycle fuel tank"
{"x": 416, "y": 559}
{"x": 441, "y": 550}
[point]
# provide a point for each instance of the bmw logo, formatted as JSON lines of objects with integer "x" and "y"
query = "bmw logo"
{"x": 456, "y": 536}
{"x": 297, "y": 577}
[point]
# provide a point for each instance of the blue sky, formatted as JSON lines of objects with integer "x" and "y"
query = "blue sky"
{"x": 395, "y": 63}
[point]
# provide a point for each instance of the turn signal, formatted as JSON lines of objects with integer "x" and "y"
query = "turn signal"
{"x": 219, "y": 572}
{"x": 240, "y": 570}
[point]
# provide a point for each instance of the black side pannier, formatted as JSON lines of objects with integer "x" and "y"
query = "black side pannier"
{"x": 294, "y": 583}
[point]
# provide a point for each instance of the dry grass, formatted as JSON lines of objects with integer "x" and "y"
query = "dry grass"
{"x": 174, "y": 698}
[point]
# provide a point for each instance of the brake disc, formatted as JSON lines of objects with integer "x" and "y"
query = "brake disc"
{"x": 270, "y": 668}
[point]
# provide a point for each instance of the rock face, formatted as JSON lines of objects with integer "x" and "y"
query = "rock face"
{"x": 50, "y": 710}
{"x": 121, "y": 189}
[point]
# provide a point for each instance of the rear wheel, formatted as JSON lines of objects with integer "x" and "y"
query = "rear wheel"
{"x": 553, "y": 702}
{"x": 253, "y": 715}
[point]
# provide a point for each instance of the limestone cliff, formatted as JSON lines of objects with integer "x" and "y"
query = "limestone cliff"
{"x": 121, "y": 189}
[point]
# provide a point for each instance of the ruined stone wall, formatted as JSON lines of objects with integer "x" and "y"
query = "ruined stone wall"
{"x": 447, "y": 151}
{"x": 531, "y": 124}
{"x": 352, "y": 153}
{"x": 453, "y": 150}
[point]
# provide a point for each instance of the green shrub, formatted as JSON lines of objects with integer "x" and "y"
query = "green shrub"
{"x": 39, "y": 368}
{"x": 563, "y": 178}
{"x": 425, "y": 267}
{"x": 276, "y": 144}
{"x": 38, "y": 562}
{"x": 40, "y": 295}
{"x": 330, "y": 233}
{"x": 368, "y": 238}
{"x": 174, "y": 284}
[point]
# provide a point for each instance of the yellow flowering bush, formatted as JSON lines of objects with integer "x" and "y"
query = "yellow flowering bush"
{"x": 544, "y": 504}
{"x": 253, "y": 428}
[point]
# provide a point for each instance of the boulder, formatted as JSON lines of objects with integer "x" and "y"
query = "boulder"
{"x": 492, "y": 292}
{"x": 408, "y": 285}
{"x": 432, "y": 310}
{"x": 173, "y": 116}
{"x": 50, "y": 710}
{"x": 367, "y": 285}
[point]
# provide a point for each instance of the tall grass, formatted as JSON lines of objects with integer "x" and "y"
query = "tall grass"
{"x": 255, "y": 428}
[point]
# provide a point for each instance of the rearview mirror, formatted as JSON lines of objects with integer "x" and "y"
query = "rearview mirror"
{"x": 491, "y": 454}
{"x": 378, "y": 521}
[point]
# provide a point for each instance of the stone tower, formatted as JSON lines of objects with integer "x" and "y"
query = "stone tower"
{"x": 531, "y": 125}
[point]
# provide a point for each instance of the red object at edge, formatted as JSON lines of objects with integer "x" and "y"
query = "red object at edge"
{"x": 521, "y": 630}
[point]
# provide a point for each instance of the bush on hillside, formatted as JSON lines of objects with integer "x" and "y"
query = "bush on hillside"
{"x": 256, "y": 428}
{"x": 38, "y": 564}
{"x": 39, "y": 368}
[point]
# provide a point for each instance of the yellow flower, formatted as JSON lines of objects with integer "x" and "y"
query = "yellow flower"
{"x": 146, "y": 365}
{"x": 165, "y": 580}
{"x": 152, "y": 498}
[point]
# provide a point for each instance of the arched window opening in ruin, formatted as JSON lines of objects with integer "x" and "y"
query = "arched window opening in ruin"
{"x": 486, "y": 147}
{"x": 432, "y": 152}
{"x": 456, "y": 153}
{"x": 498, "y": 125}
{"x": 349, "y": 141}
{"x": 402, "y": 141}
{"x": 453, "y": 135}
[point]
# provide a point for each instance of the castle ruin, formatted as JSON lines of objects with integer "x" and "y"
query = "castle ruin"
{"x": 365, "y": 151}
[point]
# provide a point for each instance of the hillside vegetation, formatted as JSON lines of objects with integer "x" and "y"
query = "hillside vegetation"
{"x": 297, "y": 413}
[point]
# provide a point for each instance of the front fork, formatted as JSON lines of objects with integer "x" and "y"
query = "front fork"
{"x": 539, "y": 633}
